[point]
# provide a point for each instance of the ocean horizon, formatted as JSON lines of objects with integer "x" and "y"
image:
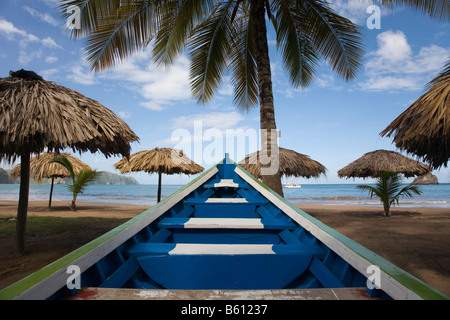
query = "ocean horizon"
{"x": 146, "y": 194}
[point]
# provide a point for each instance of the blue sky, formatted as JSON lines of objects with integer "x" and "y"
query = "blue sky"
{"x": 333, "y": 121}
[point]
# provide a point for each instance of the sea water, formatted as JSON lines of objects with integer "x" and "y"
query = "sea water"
{"x": 328, "y": 194}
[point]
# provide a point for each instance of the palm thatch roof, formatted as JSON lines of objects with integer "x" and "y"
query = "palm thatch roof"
{"x": 291, "y": 163}
{"x": 41, "y": 167}
{"x": 373, "y": 163}
{"x": 424, "y": 128}
{"x": 159, "y": 160}
{"x": 35, "y": 114}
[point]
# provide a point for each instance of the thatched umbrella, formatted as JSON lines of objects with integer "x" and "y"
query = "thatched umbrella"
{"x": 159, "y": 160}
{"x": 373, "y": 163}
{"x": 424, "y": 128}
{"x": 291, "y": 164}
{"x": 36, "y": 114}
{"x": 41, "y": 167}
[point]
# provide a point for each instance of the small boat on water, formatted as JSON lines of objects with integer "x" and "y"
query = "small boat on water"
{"x": 291, "y": 185}
{"x": 225, "y": 234}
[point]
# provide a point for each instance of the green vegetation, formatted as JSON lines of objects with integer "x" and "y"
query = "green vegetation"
{"x": 389, "y": 189}
{"x": 80, "y": 180}
{"x": 37, "y": 226}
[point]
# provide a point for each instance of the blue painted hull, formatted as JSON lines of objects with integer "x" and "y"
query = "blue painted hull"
{"x": 224, "y": 230}
{"x": 224, "y": 272}
{"x": 223, "y": 236}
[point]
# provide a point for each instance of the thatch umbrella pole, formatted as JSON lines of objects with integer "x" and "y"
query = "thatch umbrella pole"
{"x": 51, "y": 193}
{"x": 159, "y": 160}
{"x": 22, "y": 208}
{"x": 159, "y": 184}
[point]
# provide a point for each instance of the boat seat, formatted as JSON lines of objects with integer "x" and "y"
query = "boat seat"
{"x": 146, "y": 249}
{"x": 224, "y": 183}
{"x": 225, "y": 223}
{"x": 240, "y": 201}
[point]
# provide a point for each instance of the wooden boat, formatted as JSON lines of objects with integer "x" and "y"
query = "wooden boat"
{"x": 223, "y": 231}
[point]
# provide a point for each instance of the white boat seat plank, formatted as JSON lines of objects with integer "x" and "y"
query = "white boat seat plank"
{"x": 240, "y": 201}
{"x": 224, "y": 183}
{"x": 145, "y": 249}
{"x": 224, "y": 223}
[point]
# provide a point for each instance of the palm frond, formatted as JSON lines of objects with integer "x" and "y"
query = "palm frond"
{"x": 83, "y": 178}
{"x": 336, "y": 38}
{"x": 177, "y": 21}
{"x": 371, "y": 190}
{"x": 210, "y": 45}
{"x": 114, "y": 28}
{"x": 299, "y": 55}
{"x": 408, "y": 191}
{"x": 65, "y": 162}
{"x": 243, "y": 64}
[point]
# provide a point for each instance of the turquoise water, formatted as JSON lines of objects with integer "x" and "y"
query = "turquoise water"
{"x": 333, "y": 194}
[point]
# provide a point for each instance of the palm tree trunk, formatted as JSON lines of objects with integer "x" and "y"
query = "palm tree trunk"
{"x": 387, "y": 212}
{"x": 73, "y": 205}
{"x": 22, "y": 208}
{"x": 269, "y": 145}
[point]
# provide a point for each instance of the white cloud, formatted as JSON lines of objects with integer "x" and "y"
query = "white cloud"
{"x": 124, "y": 114}
{"x": 391, "y": 83}
{"x": 216, "y": 120}
{"x": 395, "y": 66}
{"x": 354, "y": 10}
{"x": 48, "y": 73}
{"x": 42, "y": 16}
{"x": 80, "y": 75}
{"x": 51, "y": 59}
{"x": 26, "y": 55}
{"x": 159, "y": 86}
{"x": 50, "y": 43}
{"x": 10, "y": 31}
{"x": 393, "y": 46}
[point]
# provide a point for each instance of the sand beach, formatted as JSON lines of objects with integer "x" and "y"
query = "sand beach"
{"x": 415, "y": 239}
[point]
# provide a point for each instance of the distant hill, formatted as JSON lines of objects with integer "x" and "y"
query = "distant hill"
{"x": 4, "y": 176}
{"x": 105, "y": 178}
{"x": 113, "y": 178}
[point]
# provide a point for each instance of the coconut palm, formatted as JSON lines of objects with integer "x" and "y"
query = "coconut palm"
{"x": 80, "y": 180}
{"x": 232, "y": 35}
{"x": 388, "y": 189}
{"x": 42, "y": 167}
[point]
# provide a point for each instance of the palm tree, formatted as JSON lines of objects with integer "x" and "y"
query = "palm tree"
{"x": 388, "y": 189}
{"x": 232, "y": 35}
{"x": 80, "y": 181}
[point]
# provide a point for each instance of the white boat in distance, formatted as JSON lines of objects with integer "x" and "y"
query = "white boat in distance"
{"x": 291, "y": 185}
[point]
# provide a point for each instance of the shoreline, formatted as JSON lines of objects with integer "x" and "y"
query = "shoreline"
{"x": 417, "y": 239}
